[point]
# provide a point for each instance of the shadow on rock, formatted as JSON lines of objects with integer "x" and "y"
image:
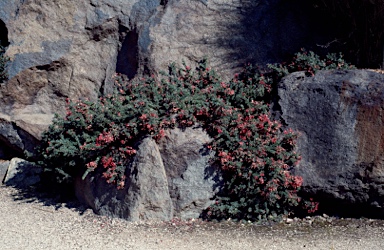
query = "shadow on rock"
{"x": 27, "y": 178}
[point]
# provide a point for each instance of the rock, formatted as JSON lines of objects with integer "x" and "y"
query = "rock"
{"x": 22, "y": 174}
{"x": 172, "y": 179}
{"x": 288, "y": 220}
{"x": 232, "y": 33}
{"x": 14, "y": 140}
{"x": 70, "y": 49}
{"x": 192, "y": 181}
{"x": 339, "y": 115}
{"x": 145, "y": 196}
{"x": 3, "y": 169}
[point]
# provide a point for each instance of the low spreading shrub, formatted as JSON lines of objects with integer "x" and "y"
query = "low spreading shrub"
{"x": 253, "y": 152}
{"x": 310, "y": 62}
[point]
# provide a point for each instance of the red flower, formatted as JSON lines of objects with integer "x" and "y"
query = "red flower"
{"x": 91, "y": 165}
{"x": 229, "y": 91}
{"x": 104, "y": 138}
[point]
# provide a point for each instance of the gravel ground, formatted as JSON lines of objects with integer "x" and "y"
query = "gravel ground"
{"x": 31, "y": 223}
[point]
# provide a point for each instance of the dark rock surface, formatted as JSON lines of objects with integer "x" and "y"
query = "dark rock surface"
{"x": 14, "y": 141}
{"x": 339, "y": 115}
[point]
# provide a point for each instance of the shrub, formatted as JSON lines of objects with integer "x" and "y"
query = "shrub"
{"x": 256, "y": 156}
{"x": 310, "y": 63}
{"x": 253, "y": 153}
{"x": 3, "y": 65}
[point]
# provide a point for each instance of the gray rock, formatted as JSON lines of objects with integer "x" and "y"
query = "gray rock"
{"x": 9, "y": 9}
{"x": 145, "y": 196}
{"x": 22, "y": 174}
{"x": 3, "y": 169}
{"x": 339, "y": 117}
{"x": 172, "y": 179}
{"x": 192, "y": 181}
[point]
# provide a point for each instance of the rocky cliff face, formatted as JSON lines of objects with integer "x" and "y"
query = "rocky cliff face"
{"x": 62, "y": 48}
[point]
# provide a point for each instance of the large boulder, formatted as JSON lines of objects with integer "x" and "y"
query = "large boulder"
{"x": 339, "y": 115}
{"x": 70, "y": 49}
{"x": 171, "y": 179}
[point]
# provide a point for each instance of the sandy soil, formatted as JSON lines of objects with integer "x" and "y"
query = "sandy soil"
{"x": 28, "y": 222}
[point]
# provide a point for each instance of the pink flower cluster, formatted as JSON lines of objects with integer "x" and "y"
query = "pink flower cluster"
{"x": 104, "y": 139}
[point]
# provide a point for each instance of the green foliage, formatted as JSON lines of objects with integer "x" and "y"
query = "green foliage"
{"x": 253, "y": 152}
{"x": 3, "y": 65}
{"x": 310, "y": 63}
